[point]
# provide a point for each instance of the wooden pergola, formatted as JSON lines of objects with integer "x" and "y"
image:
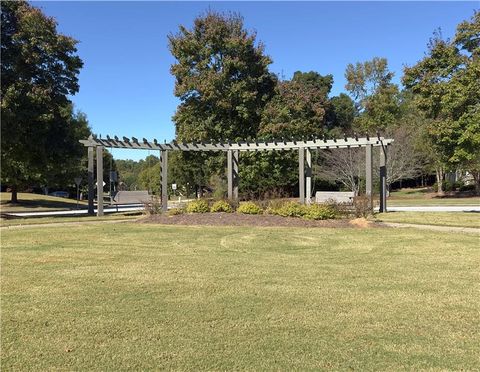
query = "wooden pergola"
{"x": 233, "y": 149}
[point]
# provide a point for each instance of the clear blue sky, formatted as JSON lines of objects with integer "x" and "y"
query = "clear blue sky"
{"x": 125, "y": 85}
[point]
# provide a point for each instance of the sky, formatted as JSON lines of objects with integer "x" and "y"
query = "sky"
{"x": 126, "y": 88}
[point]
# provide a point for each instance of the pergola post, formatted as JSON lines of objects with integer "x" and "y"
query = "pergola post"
{"x": 383, "y": 179}
{"x": 369, "y": 175}
{"x": 235, "y": 175}
{"x": 230, "y": 174}
{"x": 164, "y": 179}
{"x": 91, "y": 180}
{"x": 308, "y": 174}
{"x": 99, "y": 181}
{"x": 301, "y": 175}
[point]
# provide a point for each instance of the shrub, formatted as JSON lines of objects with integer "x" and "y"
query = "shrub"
{"x": 470, "y": 187}
{"x": 448, "y": 186}
{"x": 319, "y": 212}
{"x": 175, "y": 211}
{"x": 221, "y": 206}
{"x": 290, "y": 209}
{"x": 362, "y": 206}
{"x": 154, "y": 206}
{"x": 249, "y": 208}
{"x": 197, "y": 206}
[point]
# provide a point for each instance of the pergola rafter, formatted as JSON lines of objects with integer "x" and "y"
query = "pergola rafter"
{"x": 233, "y": 149}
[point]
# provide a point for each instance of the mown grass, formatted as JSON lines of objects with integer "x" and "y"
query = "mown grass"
{"x": 459, "y": 219}
{"x": 28, "y": 202}
{"x": 86, "y": 218}
{"x": 425, "y": 197}
{"x": 136, "y": 297}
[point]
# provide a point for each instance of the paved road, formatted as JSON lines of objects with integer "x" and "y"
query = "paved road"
{"x": 79, "y": 212}
{"x": 436, "y": 208}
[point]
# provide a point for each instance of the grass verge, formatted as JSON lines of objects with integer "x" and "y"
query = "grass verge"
{"x": 28, "y": 202}
{"x": 456, "y": 219}
{"x": 136, "y": 297}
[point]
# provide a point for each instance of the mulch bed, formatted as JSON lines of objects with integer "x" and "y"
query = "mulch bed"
{"x": 238, "y": 219}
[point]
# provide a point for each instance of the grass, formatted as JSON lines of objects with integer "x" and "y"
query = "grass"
{"x": 424, "y": 197}
{"x": 49, "y": 220}
{"x": 28, "y": 202}
{"x": 460, "y": 219}
{"x": 136, "y": 297}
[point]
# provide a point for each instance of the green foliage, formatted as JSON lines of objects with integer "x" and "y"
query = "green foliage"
{"x": 299, "y": 107}
{"x": 197, "y": 206}
{"x": 175, "y": 211}
{"x": 341, "y": 113}
{"x": 376, "y": 97}
{"x": 319, "y": 212}
{"x": 249, "y": 207}
{"x": 222, "y": 78}
{"x": 221, "y": 206}
{"x": 446, "y": 83}
{"x": 286, "y": 209}
{"x": 39, "y": 71}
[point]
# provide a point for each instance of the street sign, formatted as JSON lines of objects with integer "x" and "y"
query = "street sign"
{"x": 174, "y": 186}
{"x": 96, "y": 183}
{"x": 78, "y": 180}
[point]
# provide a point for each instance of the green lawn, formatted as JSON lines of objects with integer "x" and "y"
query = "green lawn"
{"x": 78, "y": 219}
{"x": 460, "y": 219}
{"x": 425, "y": 197}
{"x": 29, "y": 202}
{"x": 136, "y": 297}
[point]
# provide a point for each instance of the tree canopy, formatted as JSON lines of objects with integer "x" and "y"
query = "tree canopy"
{"x": 39, "y": 71}
{"x": 221, "y": 77}
{"x": 446, "y": 83}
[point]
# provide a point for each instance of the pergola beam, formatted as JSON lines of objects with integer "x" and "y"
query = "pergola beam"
{"x": 241, "y": 145}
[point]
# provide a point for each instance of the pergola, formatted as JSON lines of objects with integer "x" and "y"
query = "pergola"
{"x": 233, "y": 149}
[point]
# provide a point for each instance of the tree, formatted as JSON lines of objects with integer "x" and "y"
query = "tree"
{"x": 377, "y": 98}
{"x": 346, "y": 166}
{"x": 39, "y": 70}
{"x": 447, "y": 84}
{"x": 341, "y": 114}
{"x": 222, "y": 79}
{"x": 298, "y": 108}
{"x": 223, "y": 83}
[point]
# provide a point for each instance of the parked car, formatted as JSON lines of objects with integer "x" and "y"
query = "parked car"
{"x": 60, "y": 194}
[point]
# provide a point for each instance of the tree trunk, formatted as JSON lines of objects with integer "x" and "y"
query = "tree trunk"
{"x": 14, "y": 198}
{"x": 439, "y": 174}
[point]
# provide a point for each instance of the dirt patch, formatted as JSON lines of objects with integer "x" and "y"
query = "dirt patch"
{"x": 238, "y": 219}
{"x": 361, "y": 223}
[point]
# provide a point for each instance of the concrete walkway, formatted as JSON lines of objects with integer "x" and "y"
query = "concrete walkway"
{"x": 469, "y": 230}
{"x": 435, "y": 208}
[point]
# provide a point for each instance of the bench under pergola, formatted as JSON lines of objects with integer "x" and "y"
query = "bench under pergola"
{"x": 233, "y": 148}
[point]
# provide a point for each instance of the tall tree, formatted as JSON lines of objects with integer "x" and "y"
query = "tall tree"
{"x": 298, "y": 108}
{"x": 447, "y": 84}
{"x": 341, "y": 114}
{"x": 39, "y": 71}
{"x": 222, "y": 79}
{"x": 377, "y": 98}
